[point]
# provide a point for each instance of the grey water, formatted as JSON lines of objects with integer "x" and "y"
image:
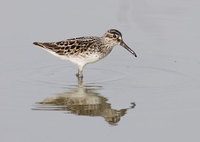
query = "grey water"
{"x": 154, "y": 97}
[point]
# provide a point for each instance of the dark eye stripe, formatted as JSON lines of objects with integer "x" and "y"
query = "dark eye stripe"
{"x": 113, "y": 31}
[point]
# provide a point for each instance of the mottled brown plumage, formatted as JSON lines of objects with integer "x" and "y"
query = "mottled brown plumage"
{"x": 84, "y": 50}
{"x": 75, "y": 46}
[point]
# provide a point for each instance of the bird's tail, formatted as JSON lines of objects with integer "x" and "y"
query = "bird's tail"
{"x": 47, "y": 45}
{"x": 38, "y": 44}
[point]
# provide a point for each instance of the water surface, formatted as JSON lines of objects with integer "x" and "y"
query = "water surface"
{"x": 154, "y": 97}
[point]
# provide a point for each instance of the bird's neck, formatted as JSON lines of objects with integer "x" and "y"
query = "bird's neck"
{"x": 108, "y": 42}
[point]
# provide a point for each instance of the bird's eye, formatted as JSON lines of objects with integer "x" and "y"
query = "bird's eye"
{"x": 114, "y": 35}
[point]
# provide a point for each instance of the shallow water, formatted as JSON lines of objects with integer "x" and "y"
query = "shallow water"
{"x": 154, "y": 97}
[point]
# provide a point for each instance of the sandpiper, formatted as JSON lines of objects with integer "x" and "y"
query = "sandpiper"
{"x": 85, "y": 50}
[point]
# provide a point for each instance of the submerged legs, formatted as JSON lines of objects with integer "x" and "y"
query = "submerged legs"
{"x": 79, "y": 74}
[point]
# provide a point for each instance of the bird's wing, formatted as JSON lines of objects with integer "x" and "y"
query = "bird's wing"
{"x": 69, "y": 46}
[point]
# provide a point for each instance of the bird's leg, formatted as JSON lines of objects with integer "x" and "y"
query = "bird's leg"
{"x": 80, "y": 82}
{"x": 79, "y": 74}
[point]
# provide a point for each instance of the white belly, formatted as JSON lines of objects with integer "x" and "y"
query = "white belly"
{"x": 82, "y": 61}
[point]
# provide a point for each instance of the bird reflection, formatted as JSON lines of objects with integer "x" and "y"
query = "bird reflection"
{"x": 83, "y": 100}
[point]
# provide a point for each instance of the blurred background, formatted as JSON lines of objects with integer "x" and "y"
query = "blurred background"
{"x": 154, "y": 97}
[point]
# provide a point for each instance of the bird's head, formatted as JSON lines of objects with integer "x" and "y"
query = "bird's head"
{"x": 114, "y": 37}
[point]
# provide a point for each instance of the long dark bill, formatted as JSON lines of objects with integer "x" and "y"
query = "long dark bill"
{"x": 129, "y": 49}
